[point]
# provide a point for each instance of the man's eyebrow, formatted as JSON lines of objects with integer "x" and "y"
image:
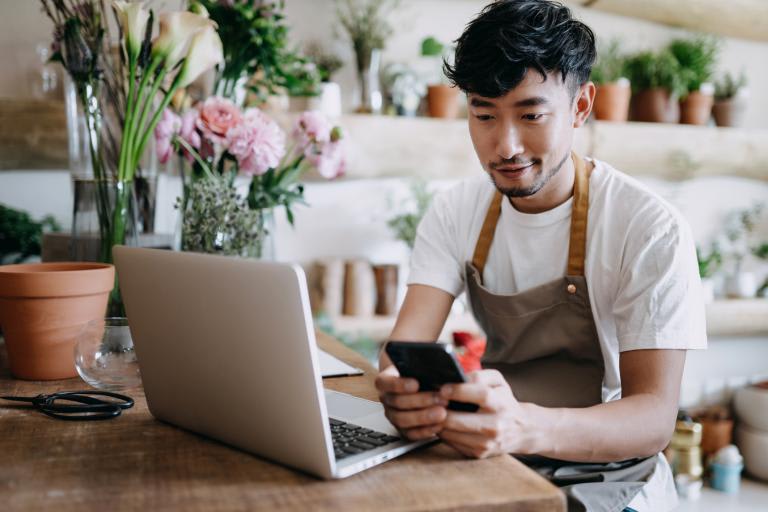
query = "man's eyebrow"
{"x": 532, "y": 102}
{"x": 477, "y": 102}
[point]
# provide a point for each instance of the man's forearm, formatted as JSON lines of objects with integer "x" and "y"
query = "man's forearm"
{"x": 635, "y": 426}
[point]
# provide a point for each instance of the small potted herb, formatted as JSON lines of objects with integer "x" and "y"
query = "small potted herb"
{"x": 442, "y": 98}
{"x": 613, "y": 88}
{"x": 327, "y": 65}
{"x": 731, "y": 96}
{"x": 656, "y": 85}
{"x": 697, "y": 58}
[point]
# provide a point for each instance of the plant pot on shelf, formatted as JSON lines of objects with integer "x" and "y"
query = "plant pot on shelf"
{"x": 43, "y": 308}
{"x": 696, "y": 108}
{"x": 612, "y": 101}
{"x": 443, "y": 101}
{"x": 729, "y": 112}
{"x": 655, "y": 106}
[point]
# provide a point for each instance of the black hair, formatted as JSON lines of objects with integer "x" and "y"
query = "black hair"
{"x": 509, "y": 37}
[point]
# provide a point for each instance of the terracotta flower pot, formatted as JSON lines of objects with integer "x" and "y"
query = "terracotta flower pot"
{"x": 696, "y": 108}
{"x": 43, "y": 307}
{"x": 716, "y": 433}
{"x": 443, "y": 101}
{"x": 612, "y": 101}
{"x": 655, "y": 106}
{"x": 729, "y": 112}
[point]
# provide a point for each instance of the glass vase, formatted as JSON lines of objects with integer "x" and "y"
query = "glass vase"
{"x": 369, "y": 66}
{"x": 217, "y": 220}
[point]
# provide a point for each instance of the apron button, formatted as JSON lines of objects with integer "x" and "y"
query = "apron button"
{"x": 571, "y": 288}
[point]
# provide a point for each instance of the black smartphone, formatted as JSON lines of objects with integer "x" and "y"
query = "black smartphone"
{"x": 432, "y": 364}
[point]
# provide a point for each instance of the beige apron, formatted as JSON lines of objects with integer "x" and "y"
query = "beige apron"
{"x": 544, "y": 341}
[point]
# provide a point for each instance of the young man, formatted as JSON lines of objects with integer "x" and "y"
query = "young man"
{"x": 585, "y": 283}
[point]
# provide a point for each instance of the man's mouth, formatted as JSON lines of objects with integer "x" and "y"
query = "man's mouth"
{"x": 509, "y": 170}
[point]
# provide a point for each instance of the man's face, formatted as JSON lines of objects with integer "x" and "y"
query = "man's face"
{"x": 524, "y": 137}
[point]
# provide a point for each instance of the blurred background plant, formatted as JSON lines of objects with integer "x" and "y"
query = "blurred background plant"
{"x": 729, "y": 85}
{"x": 649, "y": 70}
{"x": 327, "y": 63}
{"x": 405, "y": 225}
{"x": 256, "y": 52}
{"x": 610, "y": 65}
{"x": 697, "y": 58}
{"x": 367, "y": 26}
{"x": 21, "y": 236}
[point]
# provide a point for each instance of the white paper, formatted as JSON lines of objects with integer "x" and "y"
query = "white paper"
{"x": 333, "y": 367}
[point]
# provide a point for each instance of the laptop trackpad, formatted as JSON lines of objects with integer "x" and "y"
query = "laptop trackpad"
{"x": 342, "y": 405}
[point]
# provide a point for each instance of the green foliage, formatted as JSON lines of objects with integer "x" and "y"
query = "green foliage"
{"x": 366, "y": 25}
{"x": 405, "y": 224}
{"x": 218, "y": 220}
{"x": 761, "y": 251}
{"x": 431, "y": 47}
{"x": 648, "y": 70}
{"x": 275, "y": 188}
{"x": 709, "y": 263}
{"x": 697, "y": 58}
{"x": 610, "y": 65}
{"x": 21, "y": 236}
{"x": 255, "y": 40}
{"x": 728, "y": 85}
{"x": 302, "y": 77}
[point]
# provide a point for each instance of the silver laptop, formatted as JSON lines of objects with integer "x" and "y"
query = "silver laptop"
{"x": 227, "y": 349}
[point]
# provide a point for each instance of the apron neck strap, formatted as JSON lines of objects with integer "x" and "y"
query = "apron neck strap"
{"x": 577, "y": 248}
{"x": 578, "y": 239}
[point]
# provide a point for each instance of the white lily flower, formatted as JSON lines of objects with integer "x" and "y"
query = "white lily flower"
{"x": 134, "y": 17}
{"x": 177, "y": 29}
{"x": 205, "y": 51}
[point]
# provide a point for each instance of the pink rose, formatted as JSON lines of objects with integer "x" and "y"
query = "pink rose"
{"x": 189, "y": 133}
{"x": 217, "y": 116}
{"x": 257, "y": 143}
{"x": 166, "y": 129}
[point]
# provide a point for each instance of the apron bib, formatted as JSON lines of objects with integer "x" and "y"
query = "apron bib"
{"x": 544, "y": 341}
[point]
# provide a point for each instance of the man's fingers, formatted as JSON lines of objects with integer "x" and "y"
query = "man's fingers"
{"x": 481, "y": 394}
{"x": 417, "y": 418}
{"x": 476, "y": 423}
{"x": 492, "y": 378}
{"x": 419, "y": 433}
{"x": 413, "y": 400}
{"x": 387, "y": 382}
{"x": 471, "y": 445}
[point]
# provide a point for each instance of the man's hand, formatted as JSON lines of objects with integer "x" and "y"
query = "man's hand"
{"x": 496, "y": 428}
{"x": 416, "y": 415}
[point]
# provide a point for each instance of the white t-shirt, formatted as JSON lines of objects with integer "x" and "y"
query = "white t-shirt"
{"x": 640, "y": 267}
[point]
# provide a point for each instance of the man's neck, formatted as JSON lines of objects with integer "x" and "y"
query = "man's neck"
{"x": 557, "y": 191}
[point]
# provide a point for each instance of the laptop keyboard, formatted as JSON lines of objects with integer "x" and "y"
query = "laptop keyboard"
{"x": 350, "y": 439}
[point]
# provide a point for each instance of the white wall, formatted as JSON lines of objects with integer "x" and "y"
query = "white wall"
{"x": 22, "y": 26}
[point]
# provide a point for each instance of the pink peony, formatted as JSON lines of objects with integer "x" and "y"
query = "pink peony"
{"x": 189, "y": 133}
{"x": 311, "y": 127}
{"x": 217, "y": 116}
{"x": 328, "y": 158}
{"x": 166, "y": 129}
{"x": 257, "y": 143}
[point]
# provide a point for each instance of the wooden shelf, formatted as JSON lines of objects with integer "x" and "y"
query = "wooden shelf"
{"x": 726, "y": 317}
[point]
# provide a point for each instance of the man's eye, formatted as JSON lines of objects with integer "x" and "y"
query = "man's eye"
{"x": 533, "y": 117}
{"x": 483, "y": 117}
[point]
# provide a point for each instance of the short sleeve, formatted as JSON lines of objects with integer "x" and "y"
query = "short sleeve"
{"x": 436, "y": 259}
{"x": 659, "y": 303}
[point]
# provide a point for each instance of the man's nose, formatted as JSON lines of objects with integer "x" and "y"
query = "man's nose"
{"x": 508, "y": 143}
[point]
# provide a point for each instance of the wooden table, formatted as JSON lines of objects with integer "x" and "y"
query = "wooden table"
{"x": 136, "y": 463}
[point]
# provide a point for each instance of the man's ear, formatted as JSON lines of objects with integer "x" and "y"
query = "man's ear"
{"x": 582, "y": 106}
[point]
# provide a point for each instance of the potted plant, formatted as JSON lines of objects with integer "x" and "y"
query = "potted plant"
{"x": 43, "y": 308}
{"x": 21, "y": 237}
{"x": 366, "y": 25}
{"x": 656, "y": 85}
{"x": 329, "y": 100}
{"x": 731, "y": 96}
{"x": 302, "y": 84}
{"x": 697, "y": 58}
{"x": 709, "y": 264}
{"x": 739, "y": 227}
{"x": 613, "y": 87}
{"x": 442, "y": 98}
{"x": 404, "y": 89}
